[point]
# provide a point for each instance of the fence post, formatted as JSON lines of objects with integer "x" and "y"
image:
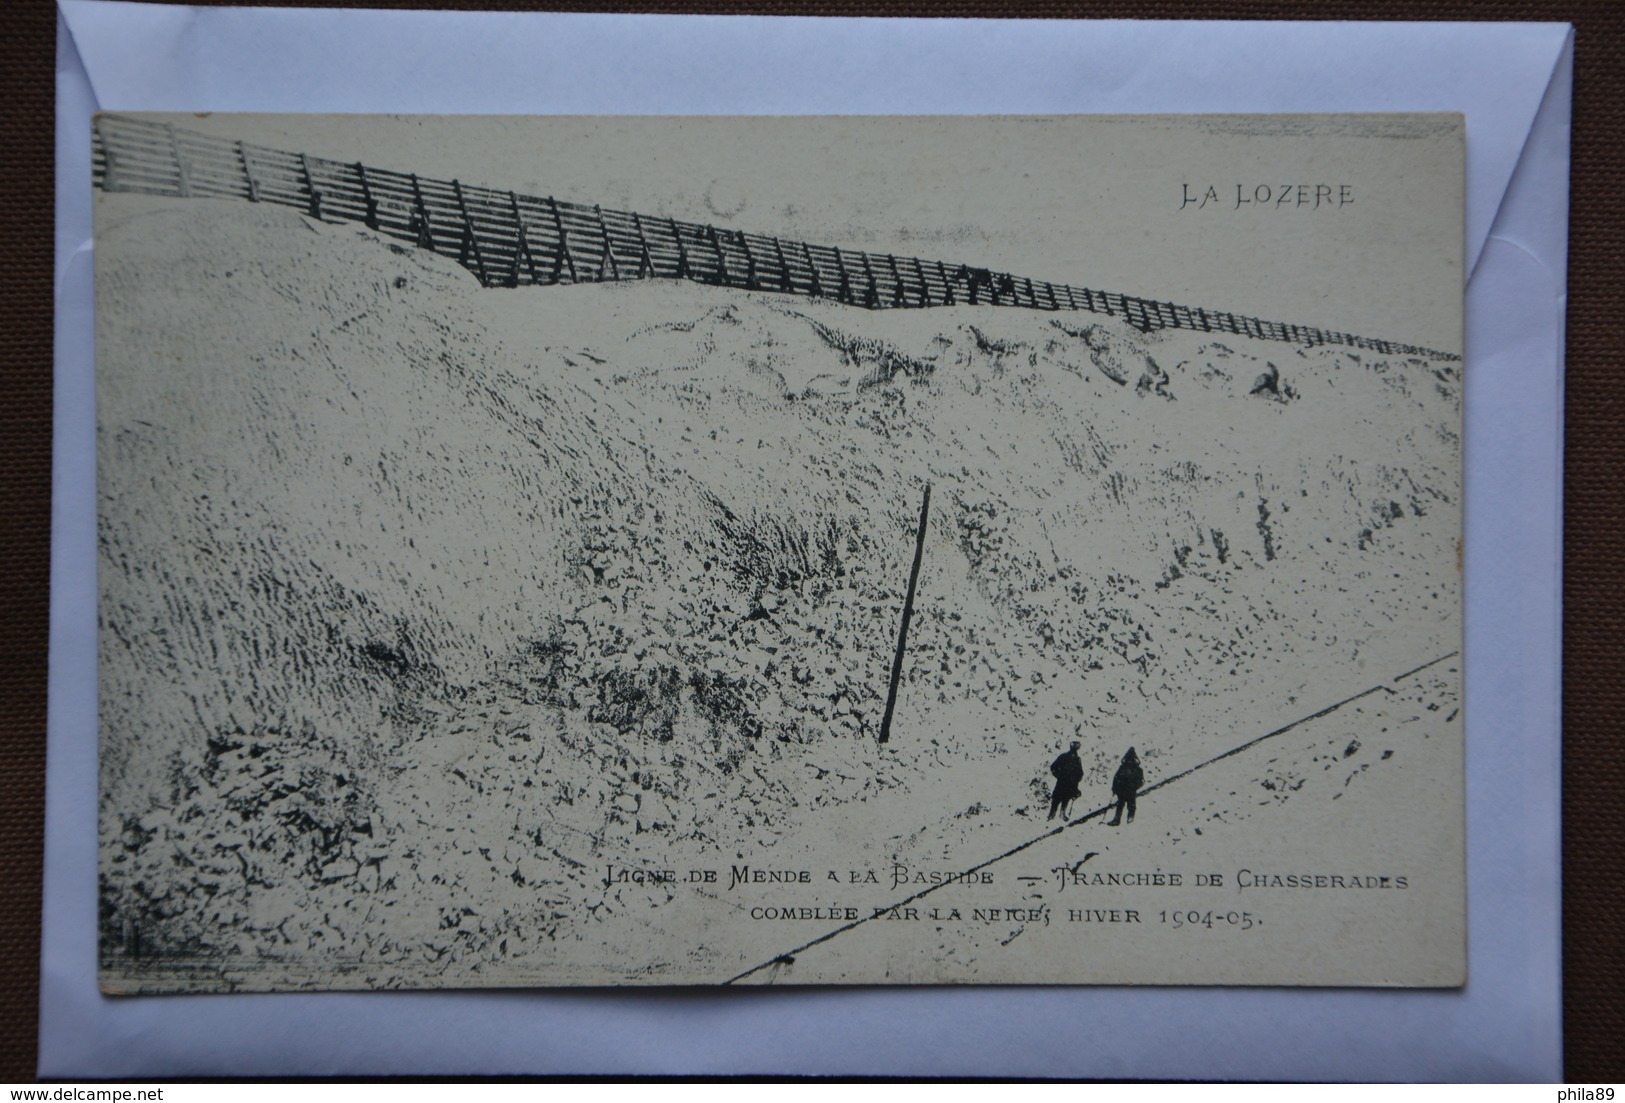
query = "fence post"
{"x": 817, "y": 280}
{"x": 521, "y": 245}
{"x": 469, "y": 240}
{"x": 566, "y": 260}
{"x": 844, "y": 293}
{"x": 609, "y": 248}
{"x": 750, "y": 262}
{"x": 521, "y": 251}
{"x": 646, "y": 262}
{"x": 871, "y": 293}
{"x": 683, "y": 271}
{"x": 925, "y": 288}
{"x": 897, "y": 297}
{"x": 947, "y": 284}
{"x": 420, "y": 215}
{"x": 366, "y": 196}
{"x": 183, "y": 171}
{"x": 785, "y": 283}
{"x": 908, "y": 614}
{"x": 248, "y": 174}
{"x": 310, "y": 186}
{"x": 563, "y": 260}
{"x": 722, "y": 264}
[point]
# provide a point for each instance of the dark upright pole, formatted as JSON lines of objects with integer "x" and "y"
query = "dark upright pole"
{"x": 908, "y": 613}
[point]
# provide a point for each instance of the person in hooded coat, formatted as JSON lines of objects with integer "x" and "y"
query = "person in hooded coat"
{"x": 1068, "y": 771}
{"x": 1125, "y": 787}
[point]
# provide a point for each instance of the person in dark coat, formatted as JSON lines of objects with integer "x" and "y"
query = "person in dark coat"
{"x": 1125, "y": 787}
{"x": 1068, "y": 771}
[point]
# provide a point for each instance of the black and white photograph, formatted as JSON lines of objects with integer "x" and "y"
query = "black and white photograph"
{"x": 671, "y": 551}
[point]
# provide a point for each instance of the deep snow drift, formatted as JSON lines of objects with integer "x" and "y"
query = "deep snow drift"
{"x": 424, "y": 604}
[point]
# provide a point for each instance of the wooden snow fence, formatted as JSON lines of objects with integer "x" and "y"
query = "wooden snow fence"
{"x": 511, "y": 240}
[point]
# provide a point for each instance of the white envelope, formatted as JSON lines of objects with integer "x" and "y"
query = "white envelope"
{"x": 1512, "y": 81}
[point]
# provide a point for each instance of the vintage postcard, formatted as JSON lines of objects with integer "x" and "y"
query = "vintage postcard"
{"x": 705, "y": 551}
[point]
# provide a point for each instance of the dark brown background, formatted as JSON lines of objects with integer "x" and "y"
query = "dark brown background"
{"x": 1594, "y": 521}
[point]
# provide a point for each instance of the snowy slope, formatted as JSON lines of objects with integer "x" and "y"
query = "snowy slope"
{"x": 423, "y": 603}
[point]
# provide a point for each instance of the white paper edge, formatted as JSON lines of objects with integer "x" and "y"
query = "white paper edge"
{"x": 1504, "y": 1026}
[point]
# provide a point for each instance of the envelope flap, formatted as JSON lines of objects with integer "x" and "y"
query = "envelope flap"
{"x": 143, "y": 56}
